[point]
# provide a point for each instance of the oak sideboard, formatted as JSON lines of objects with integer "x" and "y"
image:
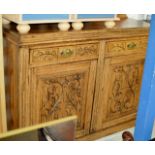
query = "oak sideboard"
{"x": 94, "y": 73}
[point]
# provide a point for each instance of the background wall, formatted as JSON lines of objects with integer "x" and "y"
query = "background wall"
{"x": 136, "y": 16}
{"x": 139, "y": 16}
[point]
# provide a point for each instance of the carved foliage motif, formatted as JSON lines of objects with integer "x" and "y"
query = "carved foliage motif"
{"x": 87, "y": 50}
{"x": 125, "y": 88}
{"x": 53, "y": 54}
{"x": 121, "y": 46}
{"x": 62, "y": 96}
{"x": 143, "y": 44}
{"x": 116, "y": 47}
{"x": 41, "y": 55}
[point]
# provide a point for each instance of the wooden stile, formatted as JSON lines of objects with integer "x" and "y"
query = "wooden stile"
{"x": 3, "y": 127}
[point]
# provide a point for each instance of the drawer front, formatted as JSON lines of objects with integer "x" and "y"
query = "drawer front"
{"x": 124, "y": 47}
{"x": 79, "y": 52}
{"x": 53, "y": 55}
{"x": 46, "y": 56}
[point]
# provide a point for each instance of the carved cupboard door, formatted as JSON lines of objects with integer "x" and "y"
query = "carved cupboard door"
{"x": 121, "y": 81}
{"x": 62, "y": 90}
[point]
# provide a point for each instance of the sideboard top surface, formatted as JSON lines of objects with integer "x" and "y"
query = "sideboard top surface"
{"x": 41, "y": 33}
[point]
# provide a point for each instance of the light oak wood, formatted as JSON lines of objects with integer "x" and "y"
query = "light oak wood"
{"x": 3, "y": 127}
{"x": 94, "y": 74}
{"x": 11, "y": 83}
{"x": 61, "y": 90}
{"x": 121, "y": 87}
{"x": 126, "y": 46}
{"x": 73, "y": 83}
{"x": 48, "y": 54}
{"x": 98, "y": 87}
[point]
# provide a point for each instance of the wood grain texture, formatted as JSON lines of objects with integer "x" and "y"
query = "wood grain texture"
{"x": 94, "y": 74}
{"x": 121, "y": 87}
{"x": 61, "y": 54}
{"x": 48, "y": 92}
{"x": 108, "y": 131}
{"x": 3, "y": 126}
{"x": 98, "y": 87}
{"x": 126, "y": 46}
{"x": 61, "y": 90}
{"x": 11, "y": 83}
{"x": 24, "y": 88}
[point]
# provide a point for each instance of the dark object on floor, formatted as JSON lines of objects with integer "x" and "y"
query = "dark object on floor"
{"x": 127, "y": 136}
{"x": 41, "y": 135}
{"x": 60, "y": 132}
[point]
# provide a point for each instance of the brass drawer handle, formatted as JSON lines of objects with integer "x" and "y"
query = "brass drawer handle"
{"x": 66, "y": 53}
{"x": 131, "y": 45}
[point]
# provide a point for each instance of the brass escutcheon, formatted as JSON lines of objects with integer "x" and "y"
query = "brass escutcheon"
{"x": 66, "y": 53}
{"x": 131, "y": 45}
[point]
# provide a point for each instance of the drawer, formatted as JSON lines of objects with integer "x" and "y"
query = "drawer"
{"x": 44, "y": 55}
{"x": 128, "y": 46}
{"x": 77, "y": 53}
{"x": 53, "y": 55}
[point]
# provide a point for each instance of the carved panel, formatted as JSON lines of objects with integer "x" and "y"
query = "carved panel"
{"x": 61, "y": 90}
{"x": 44, "y": 55}
{"x": 86, "y": 50}
{"x": 126, "y": 46}
{"x": 116, "y": 46}
{"x": 125, "y": 87}
{"x": 62, "y": 96}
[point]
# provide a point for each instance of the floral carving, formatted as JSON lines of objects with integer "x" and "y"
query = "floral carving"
{"x": 125, "y": 88}
{"x": 143, "y": 44}
{"x": 52, "y": 99}
{"x": 53, "y": 54}
{"x": 62, "y": 97}
{"x": 44, "y": 55}
{"x": 124, "y": 45}
{"x": 87, "y": 50}
{"x": 116, "y": 47}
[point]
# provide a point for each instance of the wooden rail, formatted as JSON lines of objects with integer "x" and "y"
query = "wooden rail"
{"x": 3, "y": 126}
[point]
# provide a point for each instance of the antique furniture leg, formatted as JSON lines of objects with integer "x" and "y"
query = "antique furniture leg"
{"x": 109, "y": 24}
{"x": 77, "y": 25}
{"x": 23, "y": 28}
{"x": 64, "y": 26}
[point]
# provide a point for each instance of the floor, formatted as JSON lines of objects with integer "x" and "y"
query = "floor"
{"x": 115, "y": 137}
{"x": 118, "y": 136}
